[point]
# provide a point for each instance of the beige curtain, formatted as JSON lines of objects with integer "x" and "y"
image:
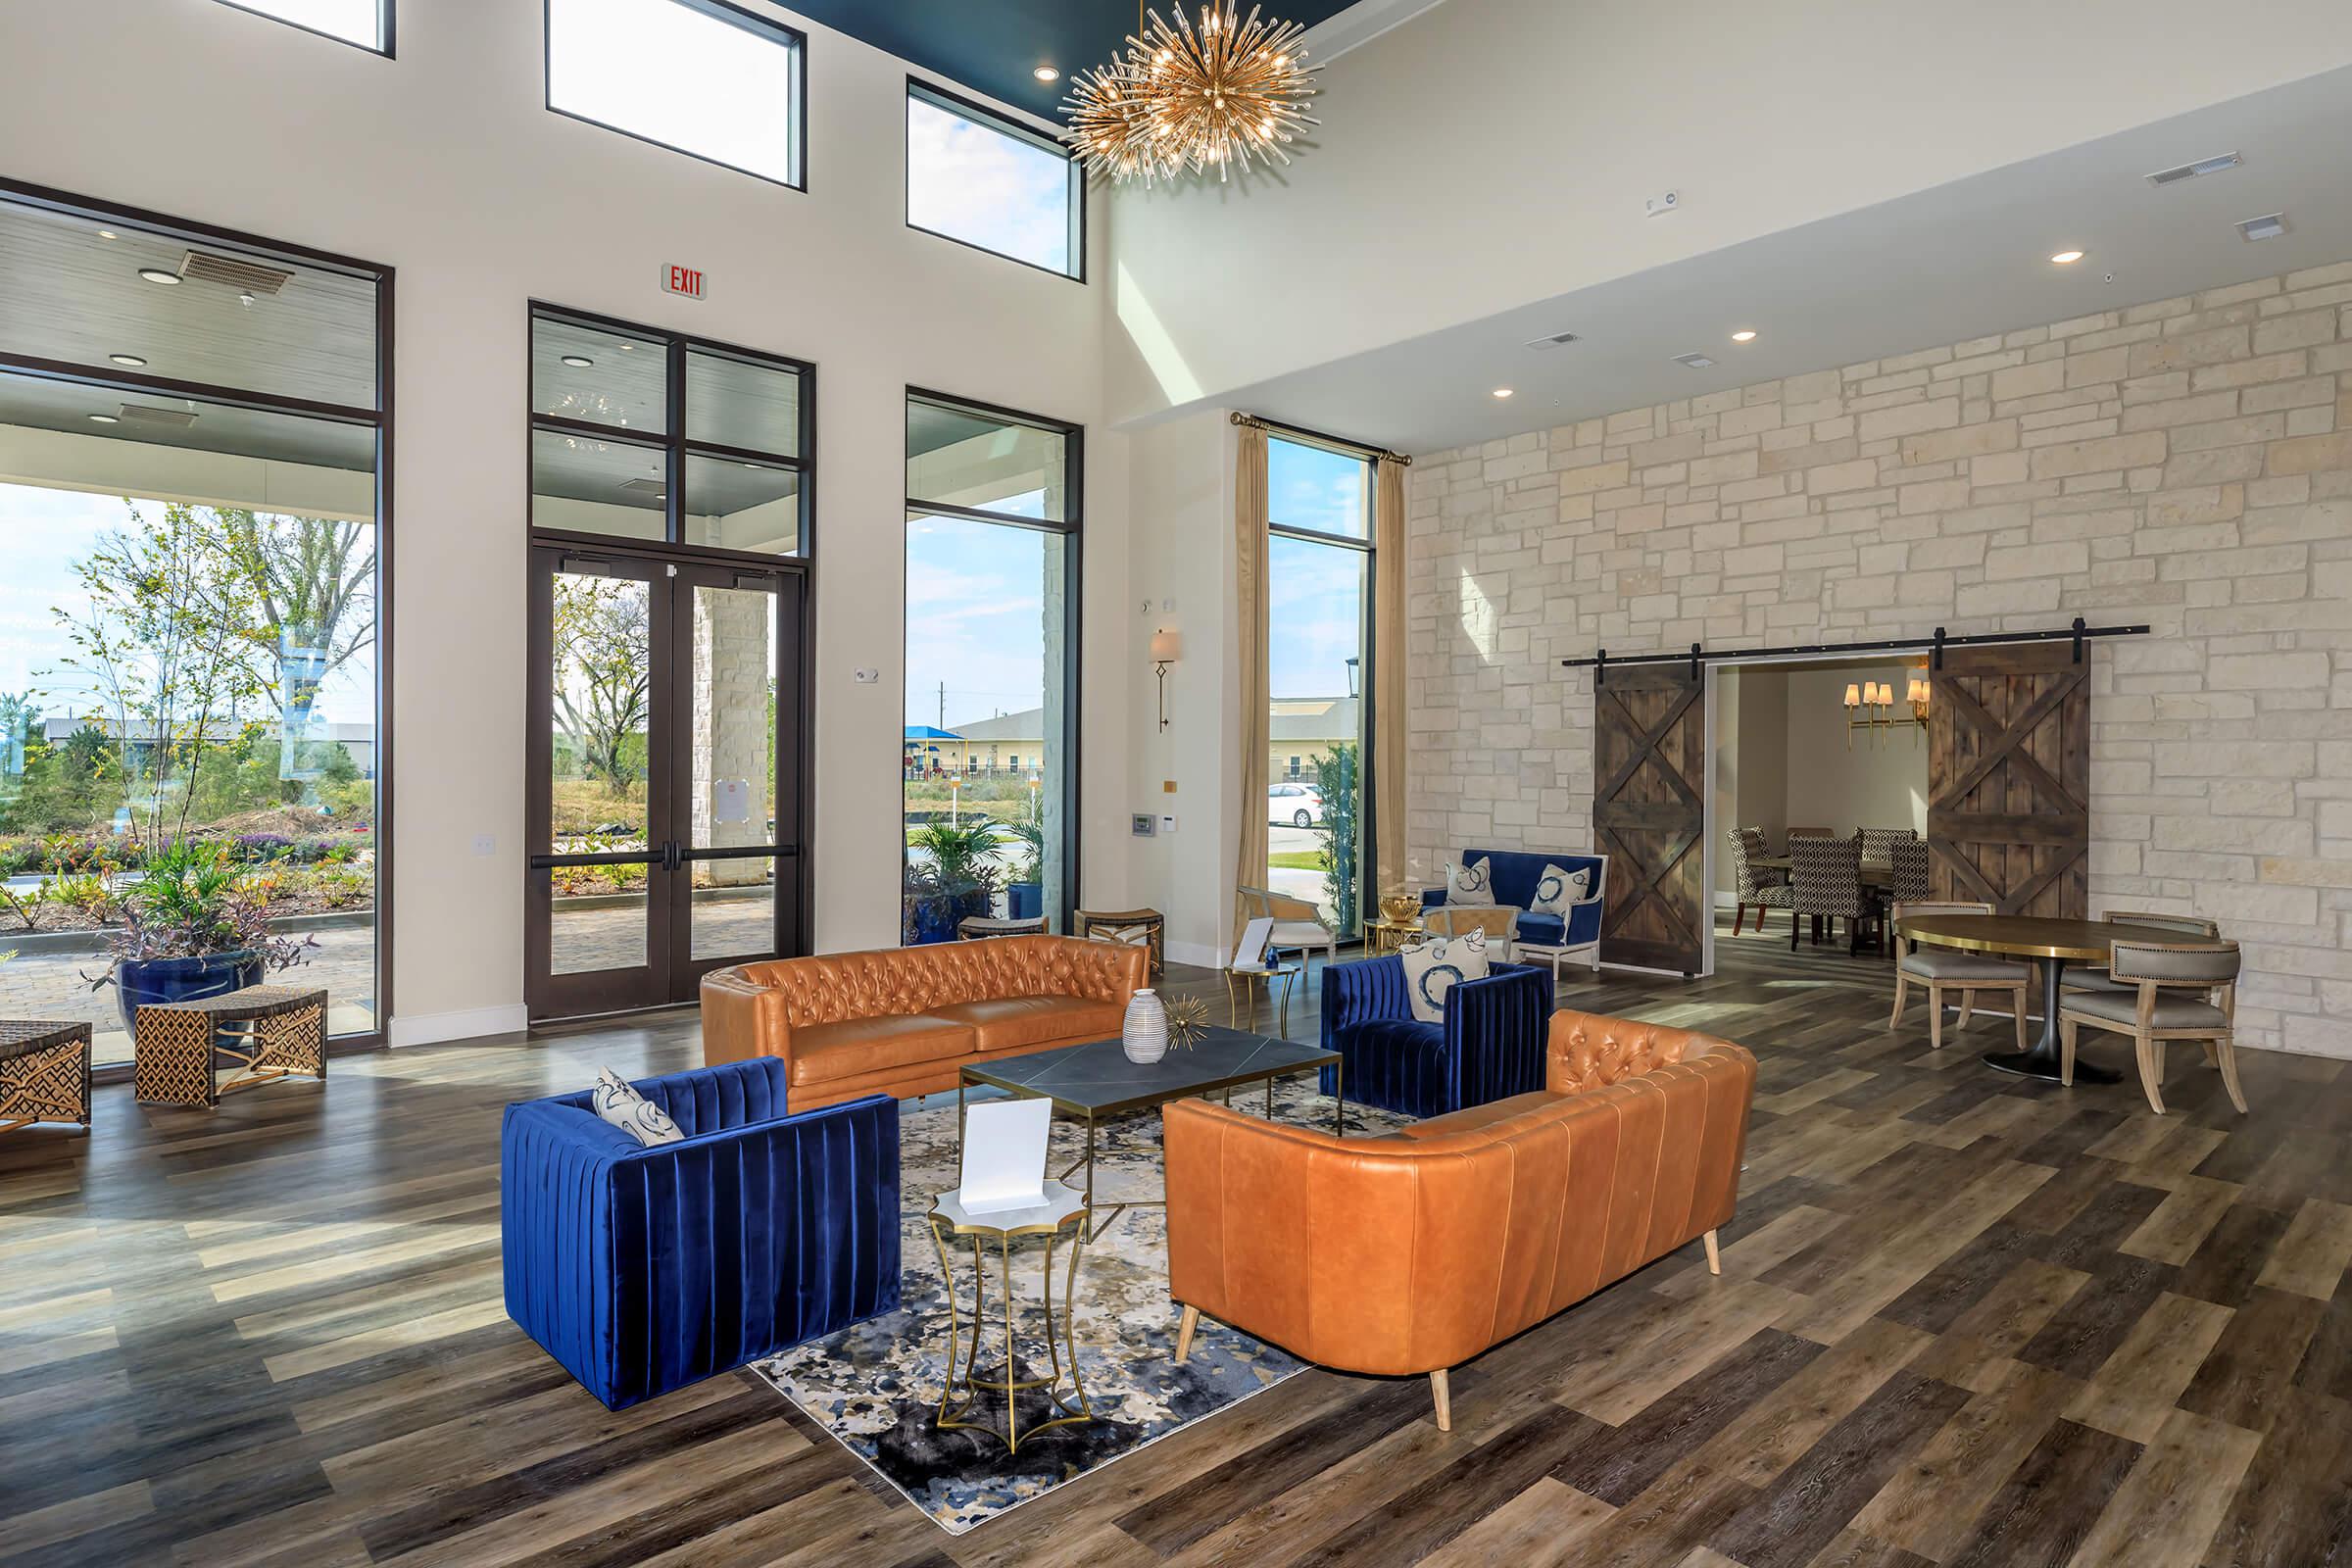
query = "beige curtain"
{"x": 1249, "y": 659}
{"x": 1389, "y": 727}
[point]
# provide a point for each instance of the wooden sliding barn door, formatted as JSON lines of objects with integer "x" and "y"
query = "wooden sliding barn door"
{"x": 1649, "y": 747}
{"x": 2009, "y": 778}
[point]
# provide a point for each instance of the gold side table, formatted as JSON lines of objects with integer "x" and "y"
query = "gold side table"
{"x": 1385, "y": 935}
{"x": 1245, "y": 983}
{"x": 963, "y": 1391}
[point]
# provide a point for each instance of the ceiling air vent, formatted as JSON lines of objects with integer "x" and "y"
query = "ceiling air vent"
{"x": 1697, "y": 361}
{"x": 229, "y": 272}
{"x": 2204, "y": 165}
{"x": 1557, "y": 340}
{"x": 2268, "y": 226}
{"x": 157, "y": 419}
{"x": 645, "y": 487}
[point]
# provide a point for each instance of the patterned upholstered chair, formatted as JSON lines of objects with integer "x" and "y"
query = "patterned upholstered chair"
{"x": 642, "y": 1269}
{"x": 2178, "y": 992}
{"x": 1489, "y": 1046}
{"x": 1908, "y": 863}
{"x": 1766, "y": 890}
{"x": 1943, "y": 969}
{"x": 2195, "y": 928}
{"x": 1825, "y": 875}
{"x": 1877, "y": 843}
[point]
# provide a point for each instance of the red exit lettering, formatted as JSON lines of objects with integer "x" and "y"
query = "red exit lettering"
{"x": 686, "y": 280}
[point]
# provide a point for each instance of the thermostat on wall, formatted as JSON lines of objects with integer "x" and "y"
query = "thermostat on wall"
{"x": 1142, "y": 826}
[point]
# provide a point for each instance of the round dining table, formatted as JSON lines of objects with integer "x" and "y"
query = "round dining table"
{"x": 2049, "y": 941}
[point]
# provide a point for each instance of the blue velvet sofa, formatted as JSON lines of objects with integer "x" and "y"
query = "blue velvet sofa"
{"x": 1547, "y": 936}
{"x": 642, "y": 1270}
{"x": 1491, "y": 1046}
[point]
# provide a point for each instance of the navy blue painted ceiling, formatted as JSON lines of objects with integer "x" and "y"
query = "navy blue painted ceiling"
{"x": 991, "y": 46}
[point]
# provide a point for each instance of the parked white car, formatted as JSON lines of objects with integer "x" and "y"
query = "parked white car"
{"x": 1293, "y": 805}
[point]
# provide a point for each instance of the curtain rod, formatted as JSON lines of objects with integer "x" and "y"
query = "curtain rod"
{"x": 1255, "y": 423}
{"x": 1934, "y": 646}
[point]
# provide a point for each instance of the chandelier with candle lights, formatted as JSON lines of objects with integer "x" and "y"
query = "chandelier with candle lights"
{"x": 1212, "y": 92}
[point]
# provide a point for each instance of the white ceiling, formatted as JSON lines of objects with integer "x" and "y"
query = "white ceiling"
{"x": 1960, "y": 261}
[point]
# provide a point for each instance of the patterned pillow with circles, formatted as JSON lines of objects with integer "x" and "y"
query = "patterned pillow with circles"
{"x": 1434, "y": 967}
{"x": 1558, "y": 888}
{"x": 630, "y": 1111}
{"x": 1471, "y": 884}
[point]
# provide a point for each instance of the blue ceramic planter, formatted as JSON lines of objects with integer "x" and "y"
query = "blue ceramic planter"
{"x": 143, "y": 982}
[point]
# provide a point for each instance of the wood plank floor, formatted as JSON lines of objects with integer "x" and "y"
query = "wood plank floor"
{"x": 1963, "y": 1319}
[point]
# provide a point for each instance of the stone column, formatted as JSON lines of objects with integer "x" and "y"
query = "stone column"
{"x": 732, "y": 661}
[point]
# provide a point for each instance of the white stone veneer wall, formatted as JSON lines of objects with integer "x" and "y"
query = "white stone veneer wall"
{"x": 2186, "y": 464}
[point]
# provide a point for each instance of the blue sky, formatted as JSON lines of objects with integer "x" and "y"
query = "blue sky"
{"x": 42, "y": 533}
{"x": 975, "y": 595}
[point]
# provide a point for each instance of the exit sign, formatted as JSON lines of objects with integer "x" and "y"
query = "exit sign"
{"x": 686, "y": 280}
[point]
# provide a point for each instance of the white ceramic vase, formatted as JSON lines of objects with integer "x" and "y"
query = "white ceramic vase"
{"x": 1144, "y": 1034}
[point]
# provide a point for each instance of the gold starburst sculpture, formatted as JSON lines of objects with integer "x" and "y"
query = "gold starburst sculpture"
{"x": 1188, "y": 1020}
{"x": 1212, "y": 92}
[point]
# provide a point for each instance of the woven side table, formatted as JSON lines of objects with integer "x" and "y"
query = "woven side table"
{"x": 268, "y": 1031}
{"x": 44, "y": 1073}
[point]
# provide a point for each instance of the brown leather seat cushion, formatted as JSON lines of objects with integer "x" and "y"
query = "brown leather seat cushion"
{"x": 1473, "y": 1117}
{"x": 858, "y": 1045}
{"x": 1007, "y": 1024}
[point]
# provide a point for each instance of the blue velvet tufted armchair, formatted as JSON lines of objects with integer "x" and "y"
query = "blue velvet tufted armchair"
{"x": 644, "y": 1269}
{"x": 1489, "y": 1046}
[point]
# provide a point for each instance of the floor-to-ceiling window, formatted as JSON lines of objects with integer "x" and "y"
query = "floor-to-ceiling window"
{"x": 192, "y": 552}
{"x": 1318, "y": 603}
{"x": 986, "y": 767}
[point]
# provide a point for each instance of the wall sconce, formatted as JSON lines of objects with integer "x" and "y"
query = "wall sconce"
{"x": 1167, "y": 646}
{"x": 1870, "y": 708}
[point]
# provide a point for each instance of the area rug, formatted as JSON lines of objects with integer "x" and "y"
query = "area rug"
{"x": 876, "y": 1386}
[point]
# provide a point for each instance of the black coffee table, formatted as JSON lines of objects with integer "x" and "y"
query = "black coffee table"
{"x": 1096, "y": 1082}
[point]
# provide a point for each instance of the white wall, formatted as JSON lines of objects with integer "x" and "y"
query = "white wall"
{"x": 1881, "y": 782}
{"x": 1494, "y": 153}
{"x": 445, "y": 165}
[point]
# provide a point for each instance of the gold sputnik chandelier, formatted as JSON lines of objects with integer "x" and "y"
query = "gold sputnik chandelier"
{"x": 1216, "y": 92}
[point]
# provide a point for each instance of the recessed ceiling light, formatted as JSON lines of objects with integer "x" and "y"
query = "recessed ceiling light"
{"x": 156, "y": 274}
{"x": 131, "y": 359}
{"x": 2067, "y": 258}
{"x": 106, "y": 233}
{"x": 579, "y": 362}
{"x": 1045, "y": 73}
{"x": 104, "y": 419}
{"x": 1502, "y": 391}
{"x": 1746, "y": 334}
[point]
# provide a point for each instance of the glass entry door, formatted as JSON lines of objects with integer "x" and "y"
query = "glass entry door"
{"x": 666, "y": 749}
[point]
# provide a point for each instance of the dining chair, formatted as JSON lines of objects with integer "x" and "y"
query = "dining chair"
{"x": 1907, "y": 861}
{"x": 1826, "y": 879}
{"x": 2188, "y": 925}
{"x": 1877, "y": 843}
{"x": 1796, "y": 833}
{"x": 1764, "y": 889}
{"x": 1943, "y": 969}
{"x": 2153, "y": 1012}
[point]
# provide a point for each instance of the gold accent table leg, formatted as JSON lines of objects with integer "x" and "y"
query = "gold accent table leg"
{"x": 1012, "y": 1429}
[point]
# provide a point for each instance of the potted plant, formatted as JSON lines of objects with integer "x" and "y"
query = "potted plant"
{"x": 1025, "y": 892}
{"x": 190, "y": 929}
{"x": 955, "y": 877}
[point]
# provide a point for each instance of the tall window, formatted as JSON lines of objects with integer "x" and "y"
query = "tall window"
{"x": 191, "y": 603}
{"x": 365, "y": 23}
{"x": 978, "y": 177}
{"x": 987, "y": 767}
{"x": 1318, "y": 600}
{"x": 641, "y": 435}
{"x": 698, "y": 76}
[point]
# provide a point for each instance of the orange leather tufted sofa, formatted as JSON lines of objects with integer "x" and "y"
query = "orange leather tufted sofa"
{"x": 897, "y": 1021}
{"x": 1411, "y": 1253}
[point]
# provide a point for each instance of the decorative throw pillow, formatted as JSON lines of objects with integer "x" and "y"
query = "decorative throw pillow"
{"x": 1556, "y": 889}
{"x": 1434, "y": 967}
{"x": 1471, "y": 884}
{"x": 630, "y": 1111}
